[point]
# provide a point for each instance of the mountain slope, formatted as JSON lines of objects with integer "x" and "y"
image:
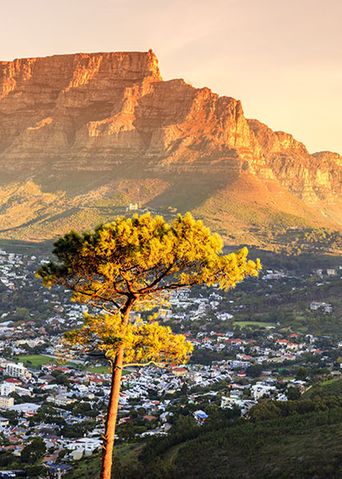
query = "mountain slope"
{"x": 83, "y": 135}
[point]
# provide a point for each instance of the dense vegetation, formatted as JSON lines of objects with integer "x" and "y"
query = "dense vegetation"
{"x": 300, "y": 439}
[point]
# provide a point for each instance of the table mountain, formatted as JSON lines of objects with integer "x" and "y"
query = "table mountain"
{"x": 84, "y": 135}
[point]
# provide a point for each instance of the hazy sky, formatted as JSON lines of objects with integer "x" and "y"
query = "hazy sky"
{"x": 282, "y": 58}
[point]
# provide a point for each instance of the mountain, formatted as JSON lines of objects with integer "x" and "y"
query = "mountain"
{"x": 84, "y": 135}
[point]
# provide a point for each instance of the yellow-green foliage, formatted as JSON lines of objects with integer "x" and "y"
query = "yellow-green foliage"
{"x": 133, "y": 262}
{"x": 142, "y": 341}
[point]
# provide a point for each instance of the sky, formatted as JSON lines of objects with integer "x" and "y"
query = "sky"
{"x": 282, "y": 59}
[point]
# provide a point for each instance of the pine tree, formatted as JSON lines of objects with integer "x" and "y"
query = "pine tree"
{"x": 130, "y": 264}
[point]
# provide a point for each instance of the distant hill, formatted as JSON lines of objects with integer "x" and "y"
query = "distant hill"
{"x": 84, "y": 135}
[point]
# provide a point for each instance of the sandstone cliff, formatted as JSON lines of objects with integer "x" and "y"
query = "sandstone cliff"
{"x": 80, "y": 131}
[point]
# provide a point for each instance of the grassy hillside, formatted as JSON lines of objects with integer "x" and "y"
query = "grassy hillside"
{"x": 325, "y": 389}
{"x": 247, "y": 210}
{"x": 286, "y": 440}
{"x": 302, "y": 449}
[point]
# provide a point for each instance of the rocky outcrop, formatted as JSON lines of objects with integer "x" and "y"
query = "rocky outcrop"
{"x": 86, "y": 122}
{"x": 52, "y": 107}
{"x": 311, "y": 177}
{"x": 94, "y": 111}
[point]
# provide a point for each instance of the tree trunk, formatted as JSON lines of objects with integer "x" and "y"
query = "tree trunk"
{"x": 112, "y": 413}
{"x": 113, "y": 406}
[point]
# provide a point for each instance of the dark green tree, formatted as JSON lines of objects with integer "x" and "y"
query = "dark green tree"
{"x": 33, "y": 452}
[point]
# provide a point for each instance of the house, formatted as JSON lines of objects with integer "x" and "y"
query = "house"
{"x": 270, "y": 274}
{"x": 133, "y": 207}
{"x": 200, "y": 416}
{"x": 17, "y": 370}
{"x": 224, "y": 316}
{"x": 179, "y": 371}
{"x": 317, "y": 305}
{"x": 60, "y": 399}
{"x": 28, "y": 409}
{"x": 261, "y": 389}
{"x": 6, "y": 388}
{"x": 231, "y": 402}
{"x": 85, "y": 444}
{"x": 6, "y": 402}
{"x": 4, "y": 421}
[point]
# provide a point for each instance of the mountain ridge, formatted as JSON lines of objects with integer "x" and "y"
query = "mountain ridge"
{"x": 78, "y": 130}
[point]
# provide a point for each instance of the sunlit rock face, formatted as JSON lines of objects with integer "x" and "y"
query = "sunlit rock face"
{"x": 102, "y": 121}
{"x": 54, "y": 108}
{"x": 311, "y": 177}
{"x": 93, "y": 111}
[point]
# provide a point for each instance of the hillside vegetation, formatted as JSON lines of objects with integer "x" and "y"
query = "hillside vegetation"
{"x": 299, "y": 439}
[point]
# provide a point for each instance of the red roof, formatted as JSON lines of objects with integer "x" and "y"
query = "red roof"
{"x": 13, "y": 381}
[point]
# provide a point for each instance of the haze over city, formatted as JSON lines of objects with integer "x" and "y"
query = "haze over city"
{"x": 281, "y": 59}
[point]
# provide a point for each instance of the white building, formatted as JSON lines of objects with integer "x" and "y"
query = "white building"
{"x": 17, "y": 370}
{"x": 27, "y": 408}
{"x": 6, "y": 389}
{"x": 317, "y": 305}
{"x": 6, "y": 402}
{"x": 260, "y": 390}
{"x": 85, "y": 444}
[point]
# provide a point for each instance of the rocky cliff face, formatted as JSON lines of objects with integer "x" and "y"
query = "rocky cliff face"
{"x": 52, "y": 108}
{"x": 91, "y": 124}
{"x": 311, "y": 177}
{"x": 95, "y": 111}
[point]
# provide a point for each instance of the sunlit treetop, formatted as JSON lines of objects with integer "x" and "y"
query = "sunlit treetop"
{"x": 142, "y": 341}
{"x": 142, "y": 257}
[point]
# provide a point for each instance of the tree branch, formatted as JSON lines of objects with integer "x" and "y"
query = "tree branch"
{"x": 173, "y": 286}
{"x": 107, "y": 300}
{"x": 159, "y": 365}
{"x": 157, "y": 280}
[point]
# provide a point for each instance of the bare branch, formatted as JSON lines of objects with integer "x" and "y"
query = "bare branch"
{"x": 159, "y": 365}
{"x": 157, "y": 280}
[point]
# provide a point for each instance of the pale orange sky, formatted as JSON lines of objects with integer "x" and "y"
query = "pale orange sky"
{"x": 282, "y": 59}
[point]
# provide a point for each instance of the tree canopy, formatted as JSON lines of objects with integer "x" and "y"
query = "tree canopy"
{"x": 137, "y": 261}
{"x": 141, "y": 256}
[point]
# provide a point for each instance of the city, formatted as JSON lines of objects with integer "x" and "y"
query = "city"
{"x": 242, "y": 356}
